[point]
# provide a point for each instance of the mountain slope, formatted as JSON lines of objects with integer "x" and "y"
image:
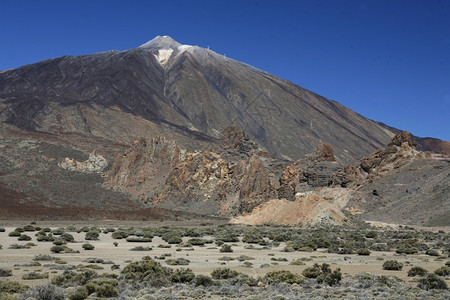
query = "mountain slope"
{"x": 186, "y": 89}
{"x": 167, "y": 129}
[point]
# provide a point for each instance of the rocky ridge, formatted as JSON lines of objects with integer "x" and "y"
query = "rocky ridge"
{"x": 238, "y": 179}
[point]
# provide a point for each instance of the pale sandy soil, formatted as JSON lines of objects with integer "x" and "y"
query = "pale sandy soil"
{"x": 203, "y": 259}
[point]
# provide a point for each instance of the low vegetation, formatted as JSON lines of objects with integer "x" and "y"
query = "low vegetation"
{"x": 170, "y": 271}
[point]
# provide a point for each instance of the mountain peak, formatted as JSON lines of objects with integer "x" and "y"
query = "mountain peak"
{"x": 164, "y": 47}
{"x": 161, "y": 42}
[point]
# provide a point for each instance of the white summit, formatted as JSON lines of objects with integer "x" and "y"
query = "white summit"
{"x": 164, "y": 47}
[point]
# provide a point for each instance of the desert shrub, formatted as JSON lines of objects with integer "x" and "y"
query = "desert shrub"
{"x": 417, "y": 271}
{"x": 1, "y": 246}
{"x": 28, "y": 228}
{"x": 2, "y": 229}
{"x": 331, "y": 278}
{"x": 91, "y": 235}
{"x": 196, "y": 242}
{"x": 363, "y": 251}
{"x": 59, "y": 242}
{"x": 67, "y": 237}
{"x": 144, "y": 270}
{"x": 80, "y": 293}
{"x": 443, "y": 271}
{"x": 57, "y": 249}
{"x": 182, "y": 276}
{"x": 139, "y": 240}
{"x": 12, "y": 287}
{"x": 252, "y": 238}
{"x": 19, "y": 229}
{"x": 34, "y": 275}
{"x": 119, "y": 235}
{"x": 5, "y": 272}
{"x": 18, "y": 246}
{"x": 172, "y": 238}
{"x": 28, "y": 264}
{"x": 178, "y": 262}
{"x": 106, "y": 291}
{"x": 44, "y": 238}
{"x": 43, "y": 257}
{"x": 46, "y": 292}
{"x": 297, "y": 262}
{"x": 71, "y": 278}
{"x": 432, "y": 252}
{"x": 14, "y": 234}
{"x": 88, "y": 247}
{"x": 432, "y": 282}
{"x": 224, "y": 273}
{"x": 392, "y": 265}
{"x": 371, "y": 234}
{"x": 283, "y": 276}
{"x": 226, "y": 249}
{"x": 141, "y": 248}
{"x": 312, "y": 272}
{"x": 227, "y": 237}
{"x": 202, "y": 280}
{"x": 58, "y": 231}
{"x": 283, "y": 237}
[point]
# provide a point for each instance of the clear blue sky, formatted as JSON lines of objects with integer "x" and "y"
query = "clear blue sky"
{"x": 387, "y": 60}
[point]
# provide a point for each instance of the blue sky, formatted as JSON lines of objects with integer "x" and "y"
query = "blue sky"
{"x": 387, "y": 60}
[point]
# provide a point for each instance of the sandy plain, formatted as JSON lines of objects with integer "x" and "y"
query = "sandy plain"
{"x": 203, "y": 259}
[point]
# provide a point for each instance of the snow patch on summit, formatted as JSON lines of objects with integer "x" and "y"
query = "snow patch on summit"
{"x": 164, "y": 47}
{"x": 163, "y": 55}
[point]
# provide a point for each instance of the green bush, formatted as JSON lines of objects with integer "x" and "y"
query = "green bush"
{"x": 224, "y": 273}
{"x": 312, "y": 272}
{"x": 106, "y": 290}
{"x": 119, "y": 235}
{"x": 178, "y": 262}
{"x": 58, "y": 231}
{"x": 202, "y": 280}
{"x": 417, "y": 271}
{"x": 14, "y": 234}
{"x": 371, "y": 234}
{"x": 330, "y": 278}
{"x": 144, "y": 270}
{"x": 28, "y": 228}
{"x": 226, "y": 249}
{"x": 12, "y": 287}
{"x": 19, "y": 229}
{"x": 392, "y": 265}
{"x": 139, "y": 240}
{"x": 43, "y": 257}
{"x": 172, "y": 237}
{"x": 5, "y": 272}
{"x": 432, "y": 282}
{"x": 182, "y": 276}
{"x": 196, "y": 242}
{"x": 252, "y": 238}
{"x": 141, "y": 248}
{"x": 363, "y": 251}
{"x": 34, "y": 275}
{"x": 70, "y": 278}
{"x": 80, "y": 293}
{"x": 2, "y": 229}
{"x": 443, "y": 271}
{"x": 88, "y": 247}
{"x": 67, "y": 237}
{"x": 57, "y": 249}
{"x": 91, "y": 235}
{"x": 283, "y": 276}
